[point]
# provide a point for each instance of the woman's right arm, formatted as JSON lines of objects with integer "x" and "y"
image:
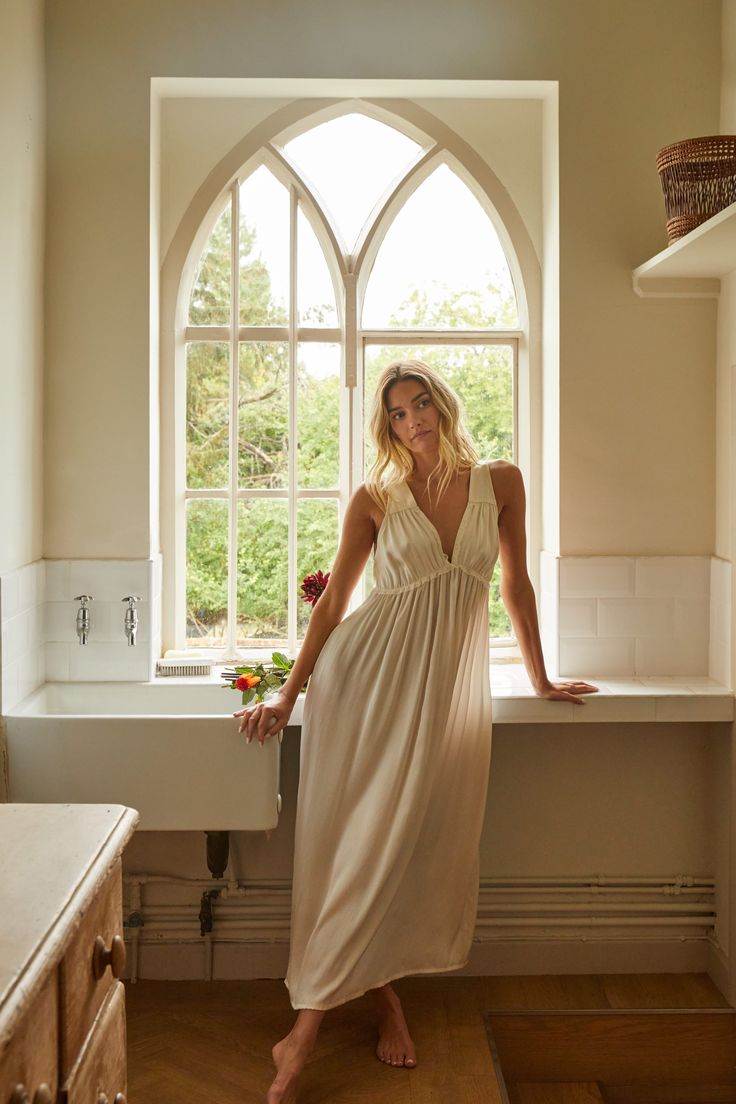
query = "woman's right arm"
{"x": 356, "y": 541}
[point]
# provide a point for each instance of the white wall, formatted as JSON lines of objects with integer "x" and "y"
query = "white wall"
{"x": 21, "y": 281}
{"x": 636, "y": 379}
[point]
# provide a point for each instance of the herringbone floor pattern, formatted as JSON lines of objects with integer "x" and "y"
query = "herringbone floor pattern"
{"x": 210, "y": 1042}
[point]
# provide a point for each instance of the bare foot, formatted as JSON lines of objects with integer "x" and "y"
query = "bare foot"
{"x": 395, "y": 1046}
{"x": 289, "y": 1056}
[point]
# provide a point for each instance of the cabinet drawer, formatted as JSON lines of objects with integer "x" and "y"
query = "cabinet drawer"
{"x": 31, "y": 1057}
{"x": 81, "y": 991}
{"x": 99, "y": 1074}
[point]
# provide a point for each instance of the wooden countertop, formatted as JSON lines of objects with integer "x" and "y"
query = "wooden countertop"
{"x": 53, "y": 859}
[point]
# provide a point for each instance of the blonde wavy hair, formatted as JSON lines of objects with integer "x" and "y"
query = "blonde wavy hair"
{"x": 394, "y": 461}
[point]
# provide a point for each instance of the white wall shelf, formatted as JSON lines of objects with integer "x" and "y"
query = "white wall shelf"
{"x": 692, "y": 267}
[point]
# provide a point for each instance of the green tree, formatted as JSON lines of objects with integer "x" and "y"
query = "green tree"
{"x": 481, "y": 374}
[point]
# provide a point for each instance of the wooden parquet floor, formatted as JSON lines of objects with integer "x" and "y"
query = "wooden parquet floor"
{"x": 210, "y": 1042}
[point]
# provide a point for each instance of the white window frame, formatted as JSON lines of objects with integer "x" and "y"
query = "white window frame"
{"x": 350, "y": 273}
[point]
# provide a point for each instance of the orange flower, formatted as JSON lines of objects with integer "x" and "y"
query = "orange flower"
{"x": 245, "y": 682}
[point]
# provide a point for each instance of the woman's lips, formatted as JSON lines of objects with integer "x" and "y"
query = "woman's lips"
{"x": 423, "y": 433}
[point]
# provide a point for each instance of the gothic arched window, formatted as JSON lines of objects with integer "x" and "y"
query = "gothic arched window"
{"x": 338, "y": 248}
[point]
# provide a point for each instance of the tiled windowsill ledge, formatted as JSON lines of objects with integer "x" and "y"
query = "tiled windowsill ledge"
{"x": 663, "y": 699}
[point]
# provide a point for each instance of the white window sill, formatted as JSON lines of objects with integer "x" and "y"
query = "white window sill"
{"x": 657, "y": 699}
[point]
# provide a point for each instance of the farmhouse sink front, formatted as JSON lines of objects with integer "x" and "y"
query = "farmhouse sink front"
{"x": 173, "y": 752}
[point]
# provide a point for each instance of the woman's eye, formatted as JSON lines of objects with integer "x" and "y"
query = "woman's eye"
{"x": 399, "y": 412}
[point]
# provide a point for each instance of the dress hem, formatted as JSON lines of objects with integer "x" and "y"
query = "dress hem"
{"x": 395, "y": 977}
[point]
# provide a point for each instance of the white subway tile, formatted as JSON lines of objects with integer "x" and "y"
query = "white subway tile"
{"x": 102, "y": 662}
{"x": 719, "y": 620}
{"x": 16, "y": 636}
{"x": 696, "y": 709}
{"x": 671, "y": 656}
{"x": 719, "y": 663}
{"x": 673, "y": 576}
{"x": 38, "y": 625}
{"x": 634, "y": 617}
{"x": 31, "y": 588}
{"x": 58, "y": 588}
{"x": 28, "y": 675}
{"x": 109, "y": 580}
{"x": 596, "y": 576}
{"x": 584, "y": 656}
{"x": 625, "y": 709}
{"x": 9, "y": 595}
{"x": 578, "y": 617}
{"x": 669, "y": 684}
{"x": 692, "y": 616}
{"x": 57, "y": 662}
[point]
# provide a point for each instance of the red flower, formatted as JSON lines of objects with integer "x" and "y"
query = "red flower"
{"x": 314, "y": 585}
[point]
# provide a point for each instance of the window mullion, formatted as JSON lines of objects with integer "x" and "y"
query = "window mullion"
{"x": 291, "y": 631}
{"x": 232, "y": 544}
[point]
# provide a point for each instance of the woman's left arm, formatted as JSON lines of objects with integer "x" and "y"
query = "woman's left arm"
{"x": 517, "y": 592}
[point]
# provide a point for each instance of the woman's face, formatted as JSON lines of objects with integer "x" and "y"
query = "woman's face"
{"x": 412, "y": 415}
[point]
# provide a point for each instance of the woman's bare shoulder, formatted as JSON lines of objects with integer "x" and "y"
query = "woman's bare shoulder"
{"x": 505, "y": 477}
{"x": 369, "y": 507}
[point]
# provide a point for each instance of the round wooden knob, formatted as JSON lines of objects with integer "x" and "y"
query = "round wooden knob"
{"x": 119, "y": 1098}
{"x": 42, "y": 1095}
{"x": 113, "y": 956}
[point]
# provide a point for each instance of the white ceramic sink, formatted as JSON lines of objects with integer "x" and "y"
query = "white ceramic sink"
{"x": 168, "y": 749}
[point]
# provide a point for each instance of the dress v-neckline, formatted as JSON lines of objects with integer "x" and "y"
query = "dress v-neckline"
{"x": 415, "y": 505}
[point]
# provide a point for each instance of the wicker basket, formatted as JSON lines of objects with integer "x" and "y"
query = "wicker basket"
{"x": 698, "y": 178}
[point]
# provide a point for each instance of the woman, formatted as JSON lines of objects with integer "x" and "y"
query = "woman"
{"x": 396, "y": 733}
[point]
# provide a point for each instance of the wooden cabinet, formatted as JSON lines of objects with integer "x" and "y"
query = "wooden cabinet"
{"x": 62, "y": 953}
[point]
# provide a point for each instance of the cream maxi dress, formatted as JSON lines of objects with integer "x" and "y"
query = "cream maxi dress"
{"x": 394, "y": 761}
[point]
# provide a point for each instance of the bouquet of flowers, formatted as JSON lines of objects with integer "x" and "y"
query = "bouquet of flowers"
{"x": 257, "y": 680}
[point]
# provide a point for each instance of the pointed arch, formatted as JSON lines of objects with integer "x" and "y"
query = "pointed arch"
{"x": 349, "y": 273}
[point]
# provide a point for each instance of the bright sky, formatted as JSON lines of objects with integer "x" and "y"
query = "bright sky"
{"x": 442, "y": 240}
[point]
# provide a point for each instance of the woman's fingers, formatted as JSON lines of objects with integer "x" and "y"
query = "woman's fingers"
{"x": 258, "y": 721}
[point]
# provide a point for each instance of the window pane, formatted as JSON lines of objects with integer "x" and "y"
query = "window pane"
{"x": 483, "y": 377}
{"x": 264, "y": 250}
{"x": 318, "y": 414}
{"x": 209, "y": 303}
{"x": 441, "y": 264}
{"x": 263, "y": 561}
{"x": 208, "y": 390}
{"x": 352, "y": 161}
{"x": 263, "y": 414}
{"x": 316, "y": 548}
{"x": 207, "y": 521}
{"x": 315, "y": 294}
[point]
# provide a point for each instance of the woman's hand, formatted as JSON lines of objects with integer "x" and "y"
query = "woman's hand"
{"x": 566, "y": 691}
{"x": 265, "y": 719}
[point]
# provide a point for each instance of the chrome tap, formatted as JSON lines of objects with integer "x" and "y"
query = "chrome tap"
{"x": 83, "y": 617}
{"x": 131, "y": 618}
